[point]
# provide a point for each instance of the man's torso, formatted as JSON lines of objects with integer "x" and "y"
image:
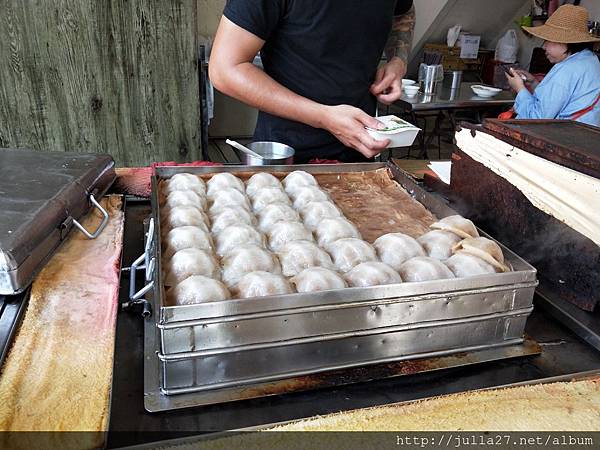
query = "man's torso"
{"x": 324, "y": 50}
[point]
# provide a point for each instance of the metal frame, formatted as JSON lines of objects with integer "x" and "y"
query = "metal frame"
{"x": 502, "y": 298}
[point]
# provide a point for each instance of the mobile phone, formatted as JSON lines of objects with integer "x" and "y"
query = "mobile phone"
{"x": 507, "y": 70}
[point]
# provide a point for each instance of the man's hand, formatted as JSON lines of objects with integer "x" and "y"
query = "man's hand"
{"x": 387, "y": 86}
{"x": 348, "y": 123}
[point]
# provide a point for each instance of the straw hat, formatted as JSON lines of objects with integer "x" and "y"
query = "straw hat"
{"x": 568, "y": 25}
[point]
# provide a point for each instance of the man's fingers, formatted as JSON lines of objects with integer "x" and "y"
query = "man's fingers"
{"x": 379, "y": 75}
{"x": 390, "y": 97}
{"x": 384, "y": 84}
{"x": 369, "y": 153}
{"x": 373, "y": 144}
{"x": 364, "y": 150}
{"x": 368, "y": 121}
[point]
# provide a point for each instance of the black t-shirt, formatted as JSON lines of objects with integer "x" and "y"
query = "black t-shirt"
{"x": 324, "y": 50}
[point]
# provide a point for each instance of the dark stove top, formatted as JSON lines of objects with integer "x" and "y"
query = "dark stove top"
{"x": 12, "y": 308}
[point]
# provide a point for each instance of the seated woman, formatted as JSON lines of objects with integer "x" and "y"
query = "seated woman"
{"x": 571, "y": 90}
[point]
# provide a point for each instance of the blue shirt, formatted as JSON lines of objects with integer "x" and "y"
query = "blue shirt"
{"x": 570, "y": 86}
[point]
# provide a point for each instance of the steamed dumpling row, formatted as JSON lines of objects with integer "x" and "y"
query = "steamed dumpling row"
{"x": 192, "y": 273}
{"x": 249, "y": 266}
{"x": 453, "y": 249}
{"x": 341, "y": 257}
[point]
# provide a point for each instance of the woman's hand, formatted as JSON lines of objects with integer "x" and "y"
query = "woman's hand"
{"x": 528, "y": 78}
{"x": 515, "y": 81}
{"x": 348, "y": 123}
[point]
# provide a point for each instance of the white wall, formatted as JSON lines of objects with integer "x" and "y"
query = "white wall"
{"x": 593, "y": 6}
{"x": 483, "y": 17}
{"x": 426, "y": 12}
{"x": 526, "y": 42}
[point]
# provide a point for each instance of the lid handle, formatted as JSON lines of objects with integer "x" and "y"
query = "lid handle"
{"x": 102, "y": 225}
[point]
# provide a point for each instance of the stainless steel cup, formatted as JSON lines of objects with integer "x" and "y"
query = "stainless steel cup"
{"x": 430, "y": 76}
{"x": 456, "y": 79}
{"x": 274, "y": 154}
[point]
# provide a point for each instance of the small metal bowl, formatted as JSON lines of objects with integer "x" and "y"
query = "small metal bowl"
{"x": 273, "y": 153}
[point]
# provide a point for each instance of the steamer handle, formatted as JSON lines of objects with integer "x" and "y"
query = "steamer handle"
{"x": 149, "y": 265}
{"x": 102, "y": 225}
{"x": 135, "y": 298}
{"x": 133, "y": 295}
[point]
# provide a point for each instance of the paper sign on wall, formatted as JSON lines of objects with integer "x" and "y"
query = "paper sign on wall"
{"x": 469, "y": 46}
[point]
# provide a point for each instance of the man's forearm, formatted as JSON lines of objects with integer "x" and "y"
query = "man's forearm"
{"x": 254, "y": 87}
{"x": 400, "y": 40}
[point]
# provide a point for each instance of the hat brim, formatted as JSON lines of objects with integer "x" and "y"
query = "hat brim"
{"x": 560, "y": 35}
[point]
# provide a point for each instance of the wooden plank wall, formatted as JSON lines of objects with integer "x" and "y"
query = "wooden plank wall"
{"x": 109, "y": 76}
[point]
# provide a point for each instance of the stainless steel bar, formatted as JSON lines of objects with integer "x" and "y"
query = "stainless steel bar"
{"x": 338, "y": 367}
{"x": 132, "y": 275}
{"x": 327, "y": 307}
{"x": 335, "y": 336}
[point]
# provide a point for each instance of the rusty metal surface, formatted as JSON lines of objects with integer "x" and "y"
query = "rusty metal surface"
{"x": 390, "y": 370}
{"x": 571, "y": 144}
{"x": 567, "y": 261}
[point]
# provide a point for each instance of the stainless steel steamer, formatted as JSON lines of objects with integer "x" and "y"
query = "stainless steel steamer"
{"x": 215, "y": 352}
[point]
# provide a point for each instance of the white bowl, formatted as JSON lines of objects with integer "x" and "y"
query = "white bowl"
{"x": 407, "y": 82}
{"x": 485, "y": 91}
{"x": 411, "y": 91}
{"x": 400, "y": 132}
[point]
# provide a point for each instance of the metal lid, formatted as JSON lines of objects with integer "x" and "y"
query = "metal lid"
{"x": 40, "y": 194}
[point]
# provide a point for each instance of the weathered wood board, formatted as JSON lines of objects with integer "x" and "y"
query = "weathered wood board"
{"x": 108, "y": 76}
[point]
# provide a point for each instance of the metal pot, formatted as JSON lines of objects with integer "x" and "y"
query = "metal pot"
{"x": 274, "y": 154}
